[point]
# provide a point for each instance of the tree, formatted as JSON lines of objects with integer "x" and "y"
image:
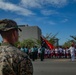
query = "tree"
{"x": 28, "y": 42}
{"x": 70, "y": 41}
{"x": 51, "y": 38}
{"x": 38, "y": 42}
{"x": 73, "y": 39}
{"x": 67, "y": 43}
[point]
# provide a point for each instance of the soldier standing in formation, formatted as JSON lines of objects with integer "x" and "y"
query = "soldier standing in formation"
{"x": 12, "y": 60}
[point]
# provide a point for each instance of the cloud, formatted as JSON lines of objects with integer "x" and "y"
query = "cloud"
{"x": 15, "y": 8}
{"x": 64, "y": 21}
{"x": 57, "y": 3}
{"x": 41, "y": 3}
{"x": 48, "y": 22}
{"x": 48, "y": 12}
{"x": 30, "y": 3}
{"x": 51, "y": 23}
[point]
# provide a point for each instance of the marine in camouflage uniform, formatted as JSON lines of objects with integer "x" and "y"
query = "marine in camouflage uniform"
{"x": 12, "y": 60}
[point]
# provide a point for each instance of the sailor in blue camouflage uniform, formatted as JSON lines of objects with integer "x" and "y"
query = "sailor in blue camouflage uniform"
{"x": 12, "y": 60}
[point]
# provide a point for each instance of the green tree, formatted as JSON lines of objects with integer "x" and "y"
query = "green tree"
{"x": 73, "y": 39}
{"x": 67, "y": 43}
{"x": 37, "y": 42}
{"x": 51, "y": 38}
{"x": 28, "y": 42}
{"x": 70, "y": 41}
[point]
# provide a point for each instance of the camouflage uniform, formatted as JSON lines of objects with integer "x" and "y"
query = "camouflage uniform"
{"x": 13, "y": 61}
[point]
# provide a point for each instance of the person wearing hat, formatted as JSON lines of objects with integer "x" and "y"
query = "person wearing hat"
{"x": 12, "y": 60}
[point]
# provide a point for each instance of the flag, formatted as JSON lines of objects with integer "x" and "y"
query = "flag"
{"x": 45, "y": 43}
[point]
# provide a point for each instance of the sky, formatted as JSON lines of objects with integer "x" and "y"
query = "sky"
{"x": 51, "y": 16}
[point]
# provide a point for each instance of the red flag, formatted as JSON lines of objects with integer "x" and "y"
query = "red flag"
{"x": 48, "y": 44}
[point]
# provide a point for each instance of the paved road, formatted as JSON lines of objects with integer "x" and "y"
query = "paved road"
{"x": 54, "y": 67}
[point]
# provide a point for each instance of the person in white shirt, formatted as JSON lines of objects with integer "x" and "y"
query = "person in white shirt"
{"x": 64, "y": 52}
{"x": 72, "y": 52}
{"x": 56, "y": 52}
{"x": 49, "y": 53}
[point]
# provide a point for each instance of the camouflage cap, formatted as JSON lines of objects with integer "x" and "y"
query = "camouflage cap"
{"x": 8, "y": 24}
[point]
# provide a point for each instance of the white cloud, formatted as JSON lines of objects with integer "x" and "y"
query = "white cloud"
{"x": 14, "y": 8}
{"x": 51, "y": 23}
{"x": 48, "y": 12}
{"x": 30, "y": 3}
{"x": 57, "y": 3}
{"x": 65, "y": 20}
{"x": 39, "y": 3}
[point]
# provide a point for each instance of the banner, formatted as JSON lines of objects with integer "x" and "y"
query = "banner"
{"x": 45, "y": 43}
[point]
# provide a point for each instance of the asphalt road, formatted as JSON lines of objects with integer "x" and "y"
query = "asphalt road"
{"x": 54, "y": 67}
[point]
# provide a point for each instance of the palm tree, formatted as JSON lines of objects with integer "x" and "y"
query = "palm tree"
{"x": 51, "y": 38}
{"x": 74, "y": 38}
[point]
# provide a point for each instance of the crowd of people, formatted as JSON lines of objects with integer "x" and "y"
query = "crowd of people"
{"x": 16, "y": 61}
{"x": 44, "y": 53}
